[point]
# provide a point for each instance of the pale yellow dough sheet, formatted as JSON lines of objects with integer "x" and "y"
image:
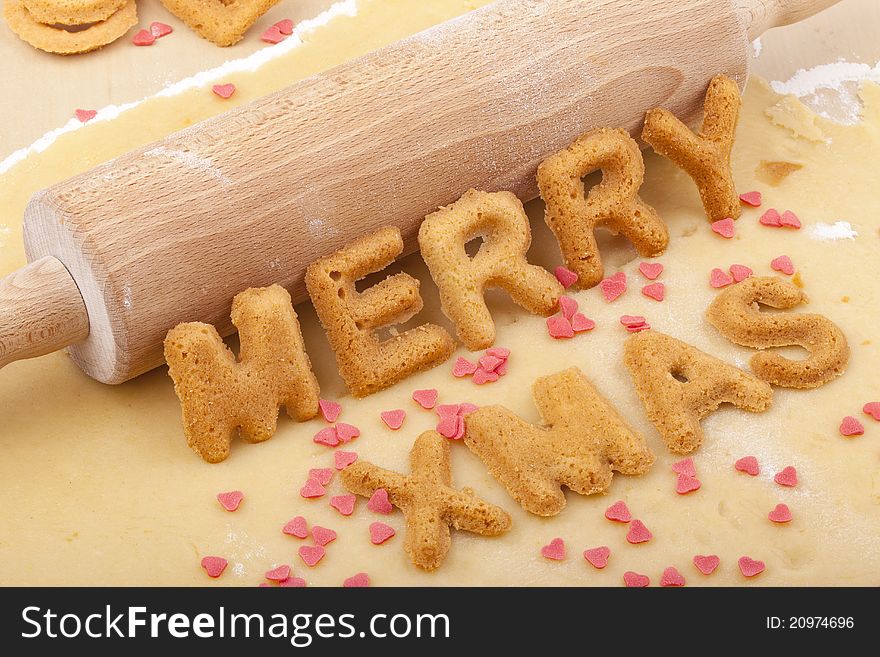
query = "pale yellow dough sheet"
{"x": 99, "y": 486}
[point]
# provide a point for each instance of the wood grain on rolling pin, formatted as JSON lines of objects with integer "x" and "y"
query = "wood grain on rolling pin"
{"x": 173, "y": 231}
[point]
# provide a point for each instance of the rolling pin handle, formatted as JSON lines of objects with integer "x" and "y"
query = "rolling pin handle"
{"x": 41, "y": 311}
{"x": 761, "y": 15}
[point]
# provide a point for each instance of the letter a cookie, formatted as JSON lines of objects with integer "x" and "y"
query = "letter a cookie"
{"x": 614, "y": 202}
{"x": 679, "y": 385}
{"x": 582, "y": 441}
{"x": 219, "y": 395}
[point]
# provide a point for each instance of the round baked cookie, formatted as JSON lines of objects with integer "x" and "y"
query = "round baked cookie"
{"x": 71, "y": 12}
{"x": 60, "y": 41}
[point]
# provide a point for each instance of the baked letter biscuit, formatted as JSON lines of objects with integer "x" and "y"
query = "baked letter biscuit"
{"x": 71, "y": 12}
{"x": 222, "y": 22}
{"x": 500, "y": 220}
{"x": 705, "y": 156}
{"x": 735, "y": 314}
{"x": 428, "y": 501}
{"x": 679, "y": 385}
{"x": 351, "y": 318}
{"x": 614, "y": 202}
{"x": 219, "y": 395}
{"x": 582, "y": 441}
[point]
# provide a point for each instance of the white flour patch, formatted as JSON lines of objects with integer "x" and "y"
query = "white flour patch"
{"x": 4, "y": 233}
{"x": 126, "y": 297}
{"x": 319, "y": 228}
{"x": 757, "y": 47}
{"x": 831, "y": 90}
{"x": 839, "y": 230}
{"x": 249, "y": 63}
{"x": 191, "y": 161}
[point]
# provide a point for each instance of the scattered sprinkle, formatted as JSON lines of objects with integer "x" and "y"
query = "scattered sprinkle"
{"x": 426, "y": 398}
{"x": 322, "y": 535}
{"x": 85, "y": 115}
{"x": 273, "y": 35}
{"x": 285, "y": 26}
{"x": 656, "y": 291}
{"x": 293, "y": 582}
{"x": 748, "y": 464}
{"x": 686, "y": 484}
{"x": 481, "y": 377}
{"x": 719, "y": 278}
{"x": 330, "y": 410}
{"x": 231, "y": 500}
{"x": 635, "y": 580}
{"x": 380, "y": 532}
{"x": 296, "y": 527}
{"x": 632, "y": 320}
{"x": 650, "y": 270}
{"x": 618, "y": 512}
{"x": 565, "y": 276}
{"x": 311, "y": 554}
{"x": 581, "y": 323}
{"x": 771, "y": 218}
{"x": 224, "y": 90}
{"x": 787, "y": 477}
{"x": 451, "y": 423}
{"x": 393, "y": 419}
{"x": 322, "y": 475}
{"x": 327, "y": 436}
{"x": 598, "y": 556}
{"x": 781, "y": 513}
{"x": 214, "y": 566}
{"x": 278, "y": 574}
{"x": 344, "y": 503}
{"x": 312, "y": 489}
{"x": 671, "y": 577}
{"x": 783, "y": 264}
{"x": 342, "y": 460}
{"x": 872, "y": 409}
{"x": 685, "y": 467}
{"x": 499, "y": 352}
{"x": 463, "y": 367}
{"x": 347, "y": 432}
{"x": 751, "y": 198}
{"x": 750, "y": 567}
{"x": 379, "y": 502}
{"x": 707, "y": 563}
{"x": 143, "y": 38}
{"x": 357, "y": 581}
{"x": 638, "y": 533}
{"x": 725, "y": 227}
{"x": 568, "y": 306}
{"x": 740, "y": 273}
{"x": 554, "y": 550}
{"x": 790, "y": 219}
{"x": 559, "y": 327}
{"x": 159, "y": 30}
{"x": 850, "y": 426}
{"x": 613, "y": 286}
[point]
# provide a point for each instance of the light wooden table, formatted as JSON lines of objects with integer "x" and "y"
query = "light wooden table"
{"x": 41, "y": 91}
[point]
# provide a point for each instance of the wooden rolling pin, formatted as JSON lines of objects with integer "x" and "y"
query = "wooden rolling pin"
{"x": 172, "y": 231}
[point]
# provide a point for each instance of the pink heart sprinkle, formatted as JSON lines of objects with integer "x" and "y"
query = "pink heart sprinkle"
{"x": 322, "y": 475}
{"x": 394, "y": 419}
{"x": 598, "y": 556}
{"x": 554, "y": 550}
{"x": 499, "y": 352}
{"x": 463, "y": 367}
{"x": 790, "y": 219}
{"x": 327, "y": 436}
{"x": 312, "y": 489}
{"x": 685, "y": 467}
{"x": 426, "y": 398}
{"x": 748, "y": 464}
{"x": 740, "y": 273}
{"x": 342, "y": 460}
{"x": 650, "y": 270}
{"x": 448, "y": 410}
{"x": 724, "y": 227}
{"x": 771, "y": 218}
{"x": 783, "y": 264}
{"x": 278, "y": 574}
{"x": 490, "y": 363}
{"x": 297, "y": 527}
{"x": 580, "y": 323}
{"x": 559, "y": 327}
{"x": 872, "y": 409}
{"x": 565, "y": 276}
{"x": 638, "y": 533}
{"x": 481, "y": 376}
{"x": 357, "y": 581}
{"x": 686, "y": 484}
{"x": 671, "y": 577}
{"x": 159, "y": 30}
{"x": 788, "y": 477}
{"x": 85, "y": 115}
{"x": 851, "y": 427}
{"x": 230, "y": 500}
{"x": 707, "y": 564}
{"x": 750, "y": 567}
{"x": 464, "y": 408}
{"x": 343, "y": 503}
{"x": 285, "y": 26}
{"x": 619, "y": 512}
{"x": 273, "y": 35}
{"x": 635, "y": 580}
{"x": 780, "y": 513}
{"x": 655, "y": 291}
{"x": 568, "y": 306}
{"x": 379, "y": 502}
{"x": 613, "y": 287}
{"x": 330, "y": 410}
{"x": 448, "y": 427}
{"x": 311, "y": 554}
{"x": 751, "y": 198}
{"x": 224, "y": 90}
{"x": 322, "y": 535}
{"x": 347, "y": 432}
{"x": 639, "y": 328}
{"x": 293, "y": 582}
{"x": 380, "y": 532}
{"x": 502, "y": 369}
{"x": 214, "y": 566}
{"x": 143, "y": 38}
{"x": 631, "y": 321}
{"x": 719, "y": 278}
